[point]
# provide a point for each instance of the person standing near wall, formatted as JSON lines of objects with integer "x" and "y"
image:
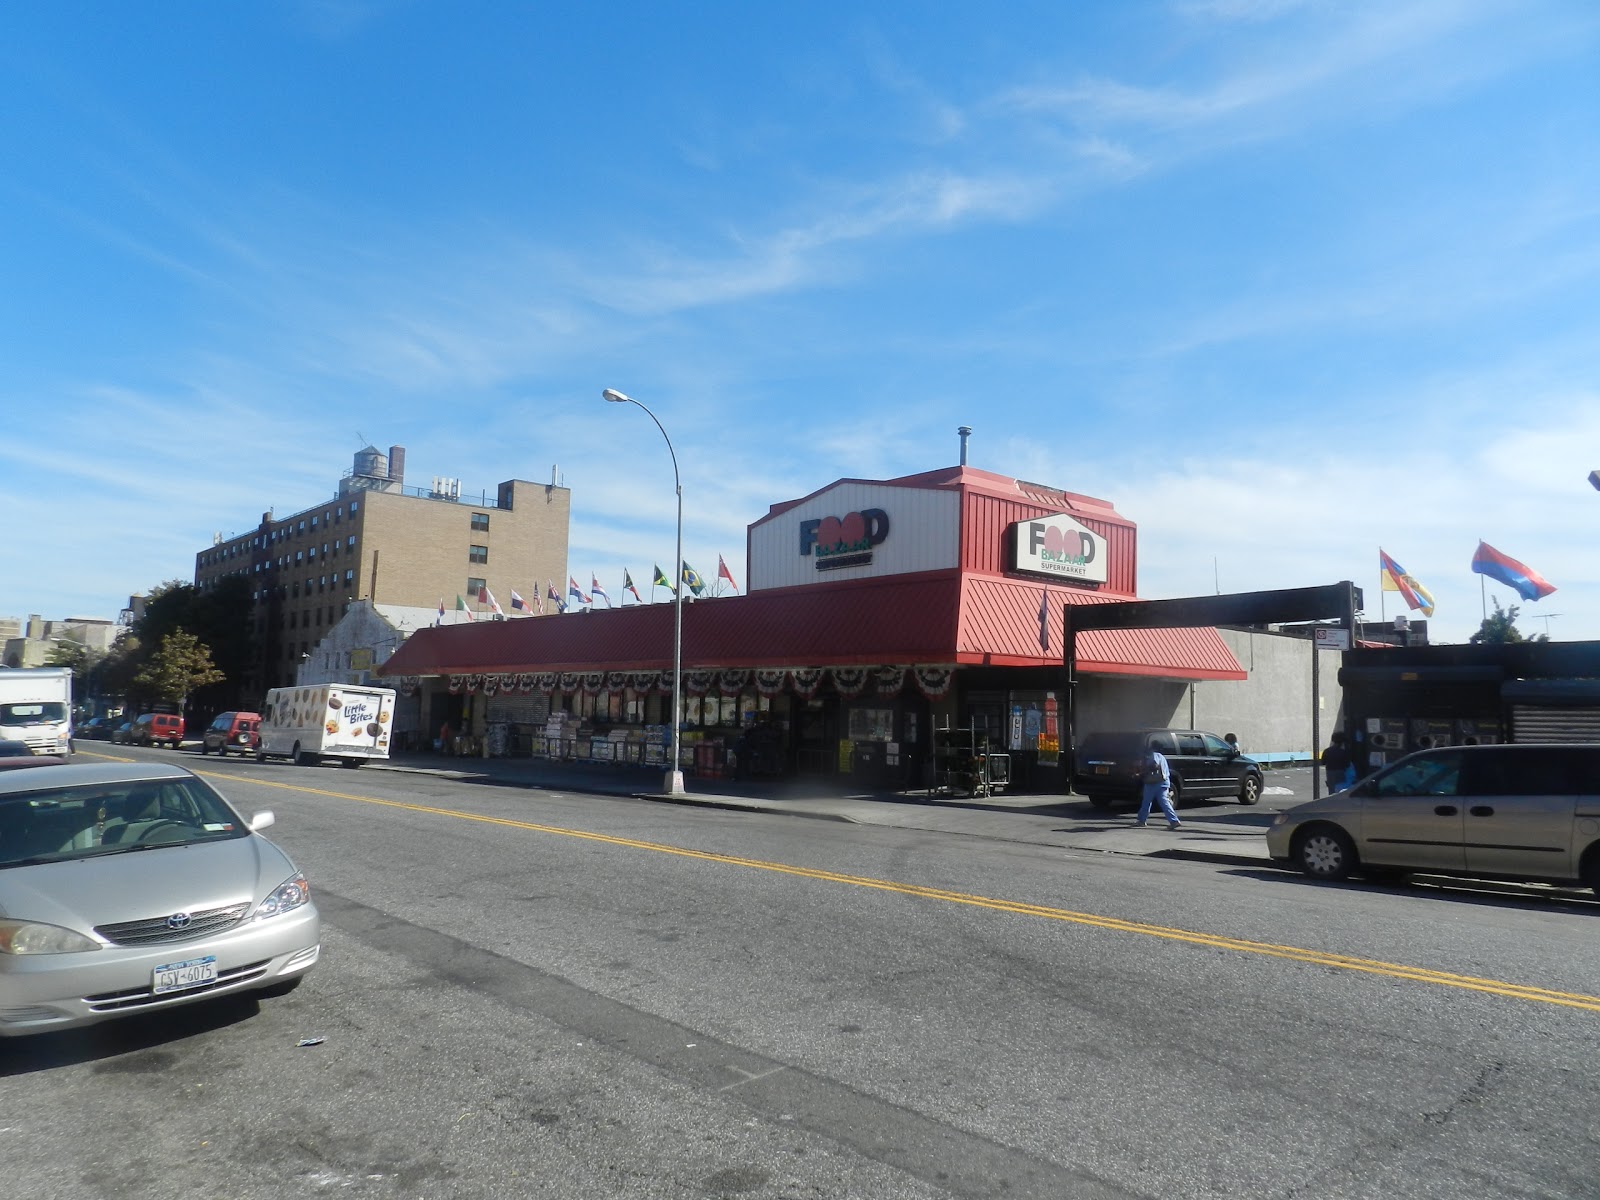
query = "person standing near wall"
{"x": 1336, "y": 763}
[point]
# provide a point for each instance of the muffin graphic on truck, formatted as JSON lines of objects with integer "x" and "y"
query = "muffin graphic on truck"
{"x": 307, "y": 725}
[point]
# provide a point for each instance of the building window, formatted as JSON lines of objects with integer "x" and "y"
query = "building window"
{"x": 350, "y": 542}
{"x": 353, "y": 505}
{"x": 478, "y": 554}
{"x": 302, "y": 528}
{"x": 474, "y": 586}
{"x": 480, "y": 521}
{"x": 349, "y": 576}
{"x": 311, "y": 554}
{"x": 299, "y": 555}
{"x": 313, "y": 523}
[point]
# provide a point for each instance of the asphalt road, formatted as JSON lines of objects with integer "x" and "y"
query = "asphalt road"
{"x": 527, "y": 993}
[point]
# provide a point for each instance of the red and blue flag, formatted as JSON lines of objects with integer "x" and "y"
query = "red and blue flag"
{"x": 1519, "y": 577}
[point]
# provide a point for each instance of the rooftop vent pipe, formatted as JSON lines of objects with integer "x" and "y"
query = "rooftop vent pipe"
{"x": 965, "y": 432}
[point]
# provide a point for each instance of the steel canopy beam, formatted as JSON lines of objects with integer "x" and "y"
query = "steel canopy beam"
{"x": 1330, "y": 601}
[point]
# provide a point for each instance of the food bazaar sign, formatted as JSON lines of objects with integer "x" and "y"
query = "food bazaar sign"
{"x": 1059, "y": 547}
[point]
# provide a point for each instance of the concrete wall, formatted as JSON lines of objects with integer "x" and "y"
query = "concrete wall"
{"x": 1270, "y": 712}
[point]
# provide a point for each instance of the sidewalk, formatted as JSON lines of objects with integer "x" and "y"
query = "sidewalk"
{"x": 1212, "y": 832}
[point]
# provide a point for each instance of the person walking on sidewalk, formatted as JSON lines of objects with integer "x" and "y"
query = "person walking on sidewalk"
{"x": 1158, "y": 789}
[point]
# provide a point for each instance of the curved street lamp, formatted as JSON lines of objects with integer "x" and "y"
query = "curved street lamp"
{"x": 674, "y": 781}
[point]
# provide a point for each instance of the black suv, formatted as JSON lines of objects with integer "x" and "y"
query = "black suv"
{"x": 1109, "y": 765}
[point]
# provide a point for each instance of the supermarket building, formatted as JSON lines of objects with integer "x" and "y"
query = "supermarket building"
{"x": 878, "y": 613}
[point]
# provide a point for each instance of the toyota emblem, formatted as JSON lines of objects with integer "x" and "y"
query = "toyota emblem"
{"x": 179, "y": 920}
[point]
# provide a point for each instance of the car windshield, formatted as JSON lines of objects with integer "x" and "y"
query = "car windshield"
{"x": 84, "y": 820}
{"x": 37, "y": 712}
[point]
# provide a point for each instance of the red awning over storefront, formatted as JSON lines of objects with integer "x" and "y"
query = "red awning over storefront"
{"x": 939, "y": 618}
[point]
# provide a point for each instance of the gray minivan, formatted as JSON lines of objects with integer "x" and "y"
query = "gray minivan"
{"x": 1524, "y": 812}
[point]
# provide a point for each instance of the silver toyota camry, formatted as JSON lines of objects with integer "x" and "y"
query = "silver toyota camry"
{"x": 131, "y": 887}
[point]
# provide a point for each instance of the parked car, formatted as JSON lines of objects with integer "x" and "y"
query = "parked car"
{"x": 236, "y": 731}
{"x": 98, "y": 729}
{"x": 122, "y": 735}
{"x": 13, "y": 761}
{"x": 153, "y": 729}
{"x": 1110, "y": 766}
{"x": 1523, "y": 812}
{"x": 91, "y": 931}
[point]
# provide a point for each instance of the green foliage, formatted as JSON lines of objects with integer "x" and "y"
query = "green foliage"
{"x": 83, "y": 662}
{"x": 178, "y": 667}
{"x": 219, "y": 619}
{"x": 1501, "y": 629}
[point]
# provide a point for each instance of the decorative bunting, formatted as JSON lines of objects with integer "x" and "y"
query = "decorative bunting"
{"x": 849, "y": 681}
{"x": 934, "y": 682}
{"x": 733, "y": 682}
{"x": 889, "y": 680}
{"x": 806, "y": 681}
{"x": 770, "y": 682}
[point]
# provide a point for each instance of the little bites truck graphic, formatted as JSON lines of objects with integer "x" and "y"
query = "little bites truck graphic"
{"x": 309, "y": 724}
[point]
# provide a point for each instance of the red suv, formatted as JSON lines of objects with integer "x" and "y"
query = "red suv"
{"x": 152, "y": 729}
{"x": 234, "y": 731}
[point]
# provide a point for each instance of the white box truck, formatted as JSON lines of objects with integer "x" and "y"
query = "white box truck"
{"x": 329, "y": 720}
{"x": 36, "y": 708}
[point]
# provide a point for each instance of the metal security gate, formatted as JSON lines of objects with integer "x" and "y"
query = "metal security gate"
{"x": 1540, "y": 723}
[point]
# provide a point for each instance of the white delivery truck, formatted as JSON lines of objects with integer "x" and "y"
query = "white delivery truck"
{"x": 328, "y": 720}
{"x": 36, "y": 708}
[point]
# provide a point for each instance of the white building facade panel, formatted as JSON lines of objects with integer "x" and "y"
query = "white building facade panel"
{"x": 857, "y": 531}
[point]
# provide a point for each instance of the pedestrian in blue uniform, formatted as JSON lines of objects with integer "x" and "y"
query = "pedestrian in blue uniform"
{"x": 1158, "y": 789}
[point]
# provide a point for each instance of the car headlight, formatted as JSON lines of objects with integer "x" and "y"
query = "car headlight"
{"x": 286, "y": 897}
{"x": 1280, "y": 818}
{"x": 35, "y": 937}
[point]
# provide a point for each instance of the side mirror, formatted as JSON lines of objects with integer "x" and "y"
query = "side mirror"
{"x": 259, "y": 821}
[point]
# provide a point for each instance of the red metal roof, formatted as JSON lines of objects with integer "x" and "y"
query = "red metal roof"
{"x": 906, "y": 620}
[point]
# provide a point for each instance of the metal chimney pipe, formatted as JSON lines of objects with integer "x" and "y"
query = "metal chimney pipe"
{"x": 965, "y": 432}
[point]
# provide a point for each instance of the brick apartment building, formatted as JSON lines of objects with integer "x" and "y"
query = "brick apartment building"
{"x": 379, "y": 540}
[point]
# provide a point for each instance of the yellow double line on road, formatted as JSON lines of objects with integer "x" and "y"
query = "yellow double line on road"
{"x": 1344, "y": 962}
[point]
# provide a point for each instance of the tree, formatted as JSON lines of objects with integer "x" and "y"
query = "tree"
{"x": 81, "y": 659}
{"x": 181, "y": 665}
{"x": 1501, "y": 629}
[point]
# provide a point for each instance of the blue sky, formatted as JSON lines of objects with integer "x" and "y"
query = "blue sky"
{"x": 1285, "y": 280}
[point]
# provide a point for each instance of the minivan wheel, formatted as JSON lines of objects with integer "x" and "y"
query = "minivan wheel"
{"x": 1101, "y": 801}
{"x": 1326, "y": 852}
{"x": 1250, "y": 789}
{"x": 1590, "y": 871}
{"x": 1175, "y": 791}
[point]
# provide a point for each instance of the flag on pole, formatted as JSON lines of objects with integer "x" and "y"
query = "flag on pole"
{"x": 1519, "y": 577}
{"x": 518, "y": 604}
{"x": 661, "y": 580}
{"x": 627, "y": 586}
{"x": 1394, "y": 579}
{"x": 576, "y": 592}
{"x": 461, "y": 606}
{"x": 724, "y": 573}
{"x": 596, "y": 590}
{"x": 440, "y": 619}
{"x": 485, "y": 596}
{"x": 692, "y": 578}
{"x": 555, "y": 596}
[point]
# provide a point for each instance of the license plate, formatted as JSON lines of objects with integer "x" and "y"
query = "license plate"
{"x": 181, "y": 976}
{"x": 1101, "y": 769}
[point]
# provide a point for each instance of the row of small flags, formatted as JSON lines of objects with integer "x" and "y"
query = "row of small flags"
{"x": 692, "y": 579}
{"x": 1486, "y": 561}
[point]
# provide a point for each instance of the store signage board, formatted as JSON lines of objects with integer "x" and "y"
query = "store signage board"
{"x": 856, "y": 530}
{"x": 1059, "y": 547}
{"x": 1329, "y": 637}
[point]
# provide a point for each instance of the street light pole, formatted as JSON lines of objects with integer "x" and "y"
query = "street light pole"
{"x": 674, "y": 781}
